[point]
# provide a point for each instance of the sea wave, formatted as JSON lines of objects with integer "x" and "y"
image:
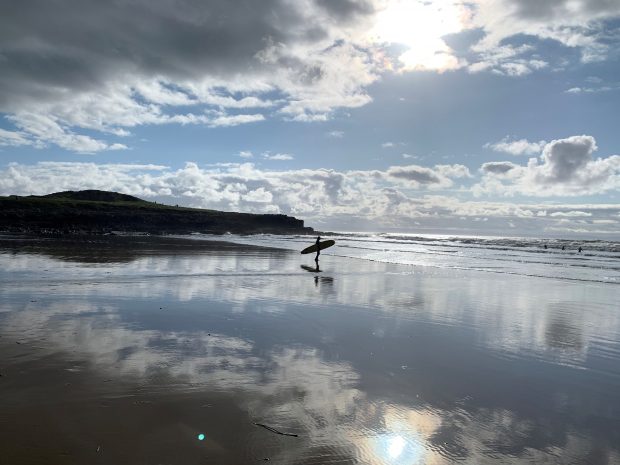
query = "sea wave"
{"x": 598, "y": 261}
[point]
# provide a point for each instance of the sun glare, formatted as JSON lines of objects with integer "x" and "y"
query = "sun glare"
{"x": 396, "y": 446}
{"x": 420, "y": 26}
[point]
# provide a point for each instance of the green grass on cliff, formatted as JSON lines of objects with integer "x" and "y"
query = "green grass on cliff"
{"x": 93, "y": 200}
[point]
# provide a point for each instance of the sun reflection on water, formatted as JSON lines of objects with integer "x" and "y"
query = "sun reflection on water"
{"x": 404, "y": 447}
{"x": 403, "y": 439}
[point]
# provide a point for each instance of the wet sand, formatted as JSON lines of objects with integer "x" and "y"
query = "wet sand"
{"x": 124, "y": 350}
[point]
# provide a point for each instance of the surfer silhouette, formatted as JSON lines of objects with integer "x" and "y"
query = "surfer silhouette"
{"x": 316, "y": 247}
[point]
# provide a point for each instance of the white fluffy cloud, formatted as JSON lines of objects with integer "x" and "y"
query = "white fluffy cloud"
{"x": 516, "y": 147}
{"x": 454, "y": 171}
{"x": 234, "y": 120}
{"x": 507, "y": 60}
{"x": 14, "y": 138}
{"x": 567, "y": 160}
{"x": 573, "y": 23}
{"x": 38, "y": 130}
{"x": 278, "y": 156}
{"x": 565, "y": 168}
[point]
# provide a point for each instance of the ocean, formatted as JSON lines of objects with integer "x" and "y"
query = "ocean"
{"x": 599, "y": 260}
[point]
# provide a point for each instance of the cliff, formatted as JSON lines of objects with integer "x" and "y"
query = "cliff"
{"x": 99, "y": 212}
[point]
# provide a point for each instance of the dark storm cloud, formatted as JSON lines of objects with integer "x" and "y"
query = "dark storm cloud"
{"x": 47, "y": 47}
{"x": 345, "y": 10}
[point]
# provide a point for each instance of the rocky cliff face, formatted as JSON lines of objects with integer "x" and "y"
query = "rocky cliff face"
{"x": 101, "y": 212}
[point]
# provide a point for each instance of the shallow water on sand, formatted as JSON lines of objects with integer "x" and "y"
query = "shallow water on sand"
{"x": 124, "y": 350}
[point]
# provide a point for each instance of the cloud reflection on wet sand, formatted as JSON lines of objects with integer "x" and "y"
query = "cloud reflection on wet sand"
{"x": 380, "y": 364}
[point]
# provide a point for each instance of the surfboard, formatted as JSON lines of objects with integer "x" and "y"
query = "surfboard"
{"x": 322, "y": 245}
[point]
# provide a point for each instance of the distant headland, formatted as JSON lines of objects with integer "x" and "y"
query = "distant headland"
{"x": 102, "y": 212}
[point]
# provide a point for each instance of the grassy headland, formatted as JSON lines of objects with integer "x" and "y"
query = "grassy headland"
{"x": 100, "y": 212}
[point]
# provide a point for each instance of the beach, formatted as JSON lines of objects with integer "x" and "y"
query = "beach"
{"x": 146, "y": 350}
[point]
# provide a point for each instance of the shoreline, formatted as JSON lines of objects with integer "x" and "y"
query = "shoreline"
{"x": 136, "y": 245}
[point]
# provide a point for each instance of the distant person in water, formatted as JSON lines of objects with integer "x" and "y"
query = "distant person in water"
{"x": 545, "y": 246}
{"x": 318, "y": 251}
{"x": 580, "y": 249}
{"x": 563, "y": 248}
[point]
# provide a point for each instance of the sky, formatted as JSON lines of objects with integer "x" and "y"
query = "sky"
{"x": 458, "y": 117}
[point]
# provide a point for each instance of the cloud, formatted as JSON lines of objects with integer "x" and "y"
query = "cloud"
{"x": 278, "y": 156}
{"x": 565, "y": 159}
{"x": 565, "y": 168}
{"x": 16, "y": 139}
{"x": 108, "y": 68}
{"x": 516, "y": 147}
{"x": 335, "y": 134}
{"x": 259, "y": 195}
{"x": 39, "y": 130}
{"x": 386, "y": 145}
{"x": 593, "y": 89}
{"x": 346, "y": 10}
{"x": 453, "y": 171}
{"x": 508, "y": 60}
{"x": 438, "y": 177}
{"x": 246, "y": 154}
{"x": 573, "y": 23}
{"x": 498, "y": 167}
{"x": 235, "y": 120}
{"x": 417, "y": 174}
